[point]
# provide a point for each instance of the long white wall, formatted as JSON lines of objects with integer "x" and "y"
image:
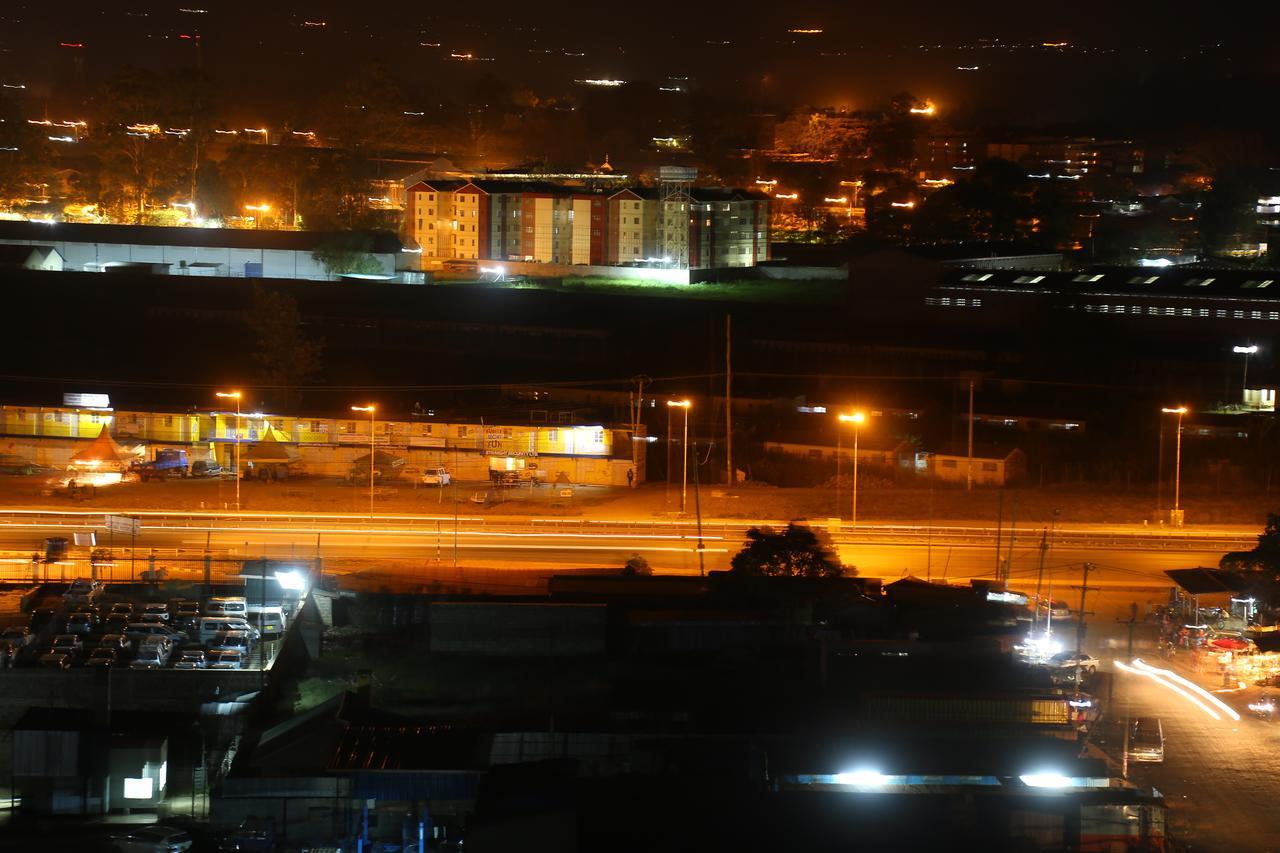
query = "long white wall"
{"x": 276, "y": 263}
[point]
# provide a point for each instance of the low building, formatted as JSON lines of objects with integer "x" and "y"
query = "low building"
{"x": 988, "y": 466}
{"x": 222, "y": 252}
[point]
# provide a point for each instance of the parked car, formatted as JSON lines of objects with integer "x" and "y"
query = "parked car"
{"x": 192, "y": 659}
{"x": 67, "y": 644}
{"x": 119, "y": 642}
{"x": 231, "y": 641}
{"x": 103, "y": 656}
{"x": 12, "y": 463}
{"x": 1088, "y": 664}
{"x": 435, "y": 477}
{"x": 1146, "y": 740}
{"x": 17, "y": 636}
{"x": 117, "y": 623}
{"x": 201, "y": 468}
{"x": 83, "y": 591}
{"x": 153, "y": 653}
{"x": 225, "y": 660}
{"x": 141, "y": 630}
{"x": 156, "y": 608}
{"x": 55, "y": 660}
{"x": 40, "y": 617}
{"x": 211, "y": 626}
{"x": 226, "y": 606}
{"x": 82, "y": 623}
{"x": 152, "y": 839}
{"x": 121, "y": 608}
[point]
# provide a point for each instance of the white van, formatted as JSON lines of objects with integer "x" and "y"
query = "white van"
{"x": 211, "y": 626}
{"x": 230, "y": 606}
{"x": 269, "y": 621}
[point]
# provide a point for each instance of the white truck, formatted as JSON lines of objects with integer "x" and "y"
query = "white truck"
{"x": 435, "y": 477}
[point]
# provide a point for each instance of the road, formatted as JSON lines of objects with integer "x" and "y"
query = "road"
{"x": 1123, "y": 558}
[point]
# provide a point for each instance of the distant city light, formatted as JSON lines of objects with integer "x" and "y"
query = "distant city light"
{"x": 603, "y": 81}
{"x": 926, "y": 109}
{"x": 861, "y": 778}
{"x": 787, "y": 196}
{"x": 904, "y": 204}
{"x": 806, "y": 31}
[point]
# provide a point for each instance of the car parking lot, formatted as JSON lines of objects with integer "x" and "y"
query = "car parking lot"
{"x": 94, "y": 626}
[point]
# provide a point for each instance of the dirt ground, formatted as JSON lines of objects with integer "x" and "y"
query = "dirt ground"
{"x": 1029, "y": 506}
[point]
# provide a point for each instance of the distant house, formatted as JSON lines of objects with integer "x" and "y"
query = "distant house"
{"x": 990, "y": 465}
{"x": 30, "y": 257}
{"x": 870, "y": 450}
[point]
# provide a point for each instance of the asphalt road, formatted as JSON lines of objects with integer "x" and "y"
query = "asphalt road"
{"x": 887, "y": 553}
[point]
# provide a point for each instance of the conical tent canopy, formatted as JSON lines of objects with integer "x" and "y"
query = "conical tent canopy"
{"x": 103, "y": 453}
{"x": 381, "y": 459}
{"x": 270, "y": 449}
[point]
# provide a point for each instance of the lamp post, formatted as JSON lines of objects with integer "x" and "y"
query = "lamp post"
{"x": 684, "y": 451}
{"x": 1244, "y": 382}
{"x": 856, "y": 419}
{"x": 235, "y": 395}
{"x": 1176, "y": 517}
{"x": 372, "y": 410}
{"x": 258, "y": 209}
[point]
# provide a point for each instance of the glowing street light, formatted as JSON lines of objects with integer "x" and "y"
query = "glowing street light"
{"x": 1176, "y": 517}
{"x": 926, "y": 109}
{"x": 371, "y": 409}
{"x": 857, "y": 419}
{"x": 1245, "y": 351}
{"x": 684, "y": 447}
{"x": 259, "y": 209}
{"x": 235, "y": 395}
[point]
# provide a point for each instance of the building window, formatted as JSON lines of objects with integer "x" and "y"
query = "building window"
{"x": 462, "y": 431}
{"x": 947, "y": 463}
{"x": 168, "y": 420}
{"x": 988, "y": 466}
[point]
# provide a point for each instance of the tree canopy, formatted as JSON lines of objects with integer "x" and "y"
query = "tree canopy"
{"x": 797, "y": 551}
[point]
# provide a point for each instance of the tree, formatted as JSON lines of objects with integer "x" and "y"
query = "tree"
{"x": 287, "y": 358}
{"x": 1264, "y": 559}
{"x": 797, "y": 551}
{"x": 637, "y": 566}
{"x": 348, "y": 253}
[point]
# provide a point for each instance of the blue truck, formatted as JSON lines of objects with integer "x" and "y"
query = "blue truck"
{"x": 168, "y": 463}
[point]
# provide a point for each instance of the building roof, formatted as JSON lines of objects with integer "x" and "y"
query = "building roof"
{"x": 19, "y": 255}
{"x": 1187, "y": 282}
{"x": 153, "y": 235}
{"x": 958, "y": 253}
{"x": 1206, "y": 581}
{"x": 980, "y": 451}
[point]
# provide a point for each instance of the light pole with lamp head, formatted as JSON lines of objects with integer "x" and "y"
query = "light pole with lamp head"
{"x": 1251, "y": 349}
{"x": 235, "y": 395}
{"x": 856, "y": 419}
{"x": 372, "y": 410}
{"x": 684, "y": 451}
{"x": 1176, "y": 517}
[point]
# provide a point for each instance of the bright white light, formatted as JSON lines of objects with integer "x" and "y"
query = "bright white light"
{"x": 1045, "y": 780}
{"x": 1249, "y": 350}
{"x": 291, "y": 579}
{"x": 1192, "y": 686}
{"x": 138, "y": 789}
{"x": 862, "y": 778}
{"x": 1157, "y": 262}
{"x": 606, "y": 82}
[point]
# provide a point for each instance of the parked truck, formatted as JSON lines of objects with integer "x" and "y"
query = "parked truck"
{"x": 168, "y": 463}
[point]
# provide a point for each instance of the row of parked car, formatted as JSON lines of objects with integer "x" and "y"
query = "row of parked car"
{"x": 181, "y": 633}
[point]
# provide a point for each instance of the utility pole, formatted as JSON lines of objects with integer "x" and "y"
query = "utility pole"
{"x": 728, "y": 400}
{"x": 969, "y": 468}
{"x": 1013, "y": 533}
{"x": 1084, "y": 590}
{"x": 1044, "y": 550}
{"x": 697, "y": 504}
{"x": 999, "y": 531}
{"x": 636, "y": 404}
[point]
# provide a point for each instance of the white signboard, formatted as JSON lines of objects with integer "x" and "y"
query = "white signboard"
{"x": 87, "y": 401}
{"x": 124, "y": 525}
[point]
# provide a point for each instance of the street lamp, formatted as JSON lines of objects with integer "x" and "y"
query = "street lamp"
{"x": 235, "y": 395}
{"x": 684, "y": 449}
{"x": 260, "y": 209}
{"x": 1244, "y": 382}
{"x": 856, "y": 419}
{"x": 371, "y": 409}
{"x": 1176, "y": 517}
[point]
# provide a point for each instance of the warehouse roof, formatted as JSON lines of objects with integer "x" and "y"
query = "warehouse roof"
{"x": 212, "y": 238}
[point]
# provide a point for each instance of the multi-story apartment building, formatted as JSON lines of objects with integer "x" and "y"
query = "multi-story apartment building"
{"x": 549, "y": 223}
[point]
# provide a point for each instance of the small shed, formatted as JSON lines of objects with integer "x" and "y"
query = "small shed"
{"x": 269, "y": 458}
